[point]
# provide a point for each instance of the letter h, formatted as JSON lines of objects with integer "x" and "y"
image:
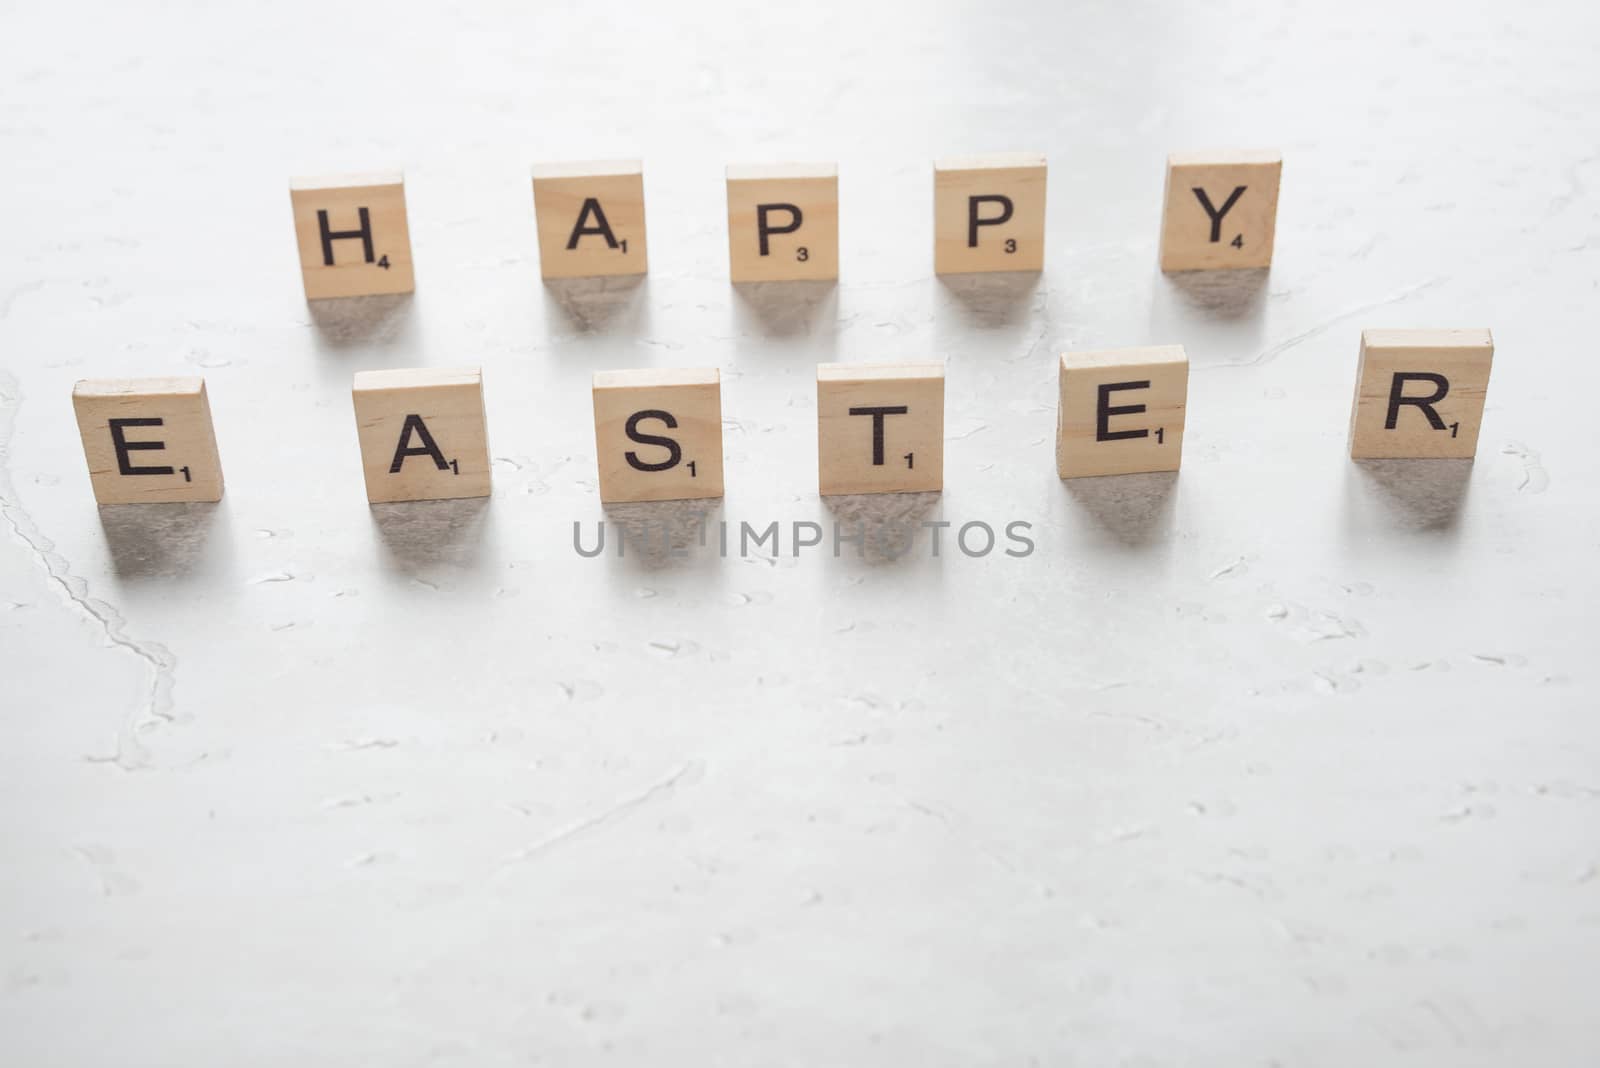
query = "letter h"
{"x": 330, "y": 236}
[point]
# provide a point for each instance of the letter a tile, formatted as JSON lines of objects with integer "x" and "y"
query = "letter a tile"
{"x": 423, "y": 434}
{"x": 591, "y": 218}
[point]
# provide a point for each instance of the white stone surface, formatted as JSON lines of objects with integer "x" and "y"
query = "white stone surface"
{"x": 1285, "y": 761}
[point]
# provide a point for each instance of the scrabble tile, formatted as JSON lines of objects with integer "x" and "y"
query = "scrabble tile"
{"x": 988, "y": 213}
{"x": 658, "y": 434}
{"x": 1121, "y": 411}
{"x": 1221, "y": 210}
{"x": 423, "y": 434}
{"x": 591, "y": 218}
{"x": 783, "y": 222}
{"x": 353, "y": 236}
{"x": 148, "y": 440}
{"x": 1420, "y": 393}
{"x": 880, "y": 427}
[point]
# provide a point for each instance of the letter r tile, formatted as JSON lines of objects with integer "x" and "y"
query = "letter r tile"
{"x": 352, "y": 234}
{"x": 1420, "y": 393}
{"x": 1122, "y": 411}
{"x": 1221, "y": 210}
{"x": 658, "y": 434}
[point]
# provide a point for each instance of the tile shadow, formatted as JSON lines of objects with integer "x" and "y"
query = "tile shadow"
{"x": 883, "y": 527}
{"x": 164, "y": 541}
{"x": 1421, "y": 495}
{"x": 1134, "y": 510}
{"x": 346, "y": 322}
{"x": 1230, "y": 294}
{"x": 991, "y": 300}
{"x": 419, "y": 535}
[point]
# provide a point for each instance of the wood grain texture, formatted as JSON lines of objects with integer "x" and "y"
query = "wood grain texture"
{"x": 658, "y": 434}
{"x": 353, "y": 273}
{"x": 430, "y": 424}
{"x": 880, "y": 427}
{"x": 590, "y": 218}
{"x": 809, "y": 250}
{"x": 1435, "y": 405}
{"x": 1134, "y": 424}
{"x": 986, "y": 189}
{"x": 1245, "y": 225}
{"x": 168, "y": 447}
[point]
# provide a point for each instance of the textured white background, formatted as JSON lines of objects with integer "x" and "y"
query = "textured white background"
{"x": 1285, "y": 761}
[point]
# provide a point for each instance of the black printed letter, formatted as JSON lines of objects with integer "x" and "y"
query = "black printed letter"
{"x": 674, "y": 452}
{"x": 1397, "y": 387}
{"x": 601, "y": 227}
{"x": 1103, "y": 412}
{"x": 330, "y": 236}
{"x": 974, "y": 220}
{"x": 124, "y": 446}
{"x": 1216, "y": 216}
{"x": 877, "y": 427}
{"x": 415, "y": 425}
{"x": 762, "y": 229}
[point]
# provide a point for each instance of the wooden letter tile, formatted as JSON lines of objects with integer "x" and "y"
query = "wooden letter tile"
{"x": 880, "y": 427}
{"x": 591, "y": 218}
{"x": 423, "y": 434}
{"x": 988, "y": 213}
{"x": 783, "y": 222}
{"x": 148, "y": 440}
{"x": 1221, "y": 210}
{"x": 1420, "y": 393}
{"x": 353, "y": 236}
{"x": 1121, "y": 411}
{"x": 658, "y": 434}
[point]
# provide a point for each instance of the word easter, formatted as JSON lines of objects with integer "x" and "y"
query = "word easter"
{"x": 880, "y": 427}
